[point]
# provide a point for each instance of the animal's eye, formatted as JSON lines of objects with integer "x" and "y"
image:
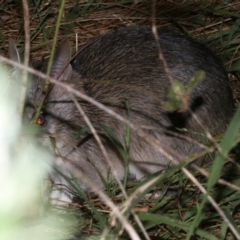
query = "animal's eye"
{"x": 41, "y": 119}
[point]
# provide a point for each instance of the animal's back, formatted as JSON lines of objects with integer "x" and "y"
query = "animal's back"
{"x": 126, "y": 64}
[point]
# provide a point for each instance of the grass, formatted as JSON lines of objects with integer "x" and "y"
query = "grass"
{"x": 186, "y": 212}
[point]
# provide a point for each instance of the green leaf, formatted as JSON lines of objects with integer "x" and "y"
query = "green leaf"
{"x": 176, "y": 95}
{"x": 195, "y": 79}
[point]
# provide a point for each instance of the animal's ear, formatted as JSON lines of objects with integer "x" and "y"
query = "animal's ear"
{"x": 61, "y": 67}
{"x": 13, "y": 52}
